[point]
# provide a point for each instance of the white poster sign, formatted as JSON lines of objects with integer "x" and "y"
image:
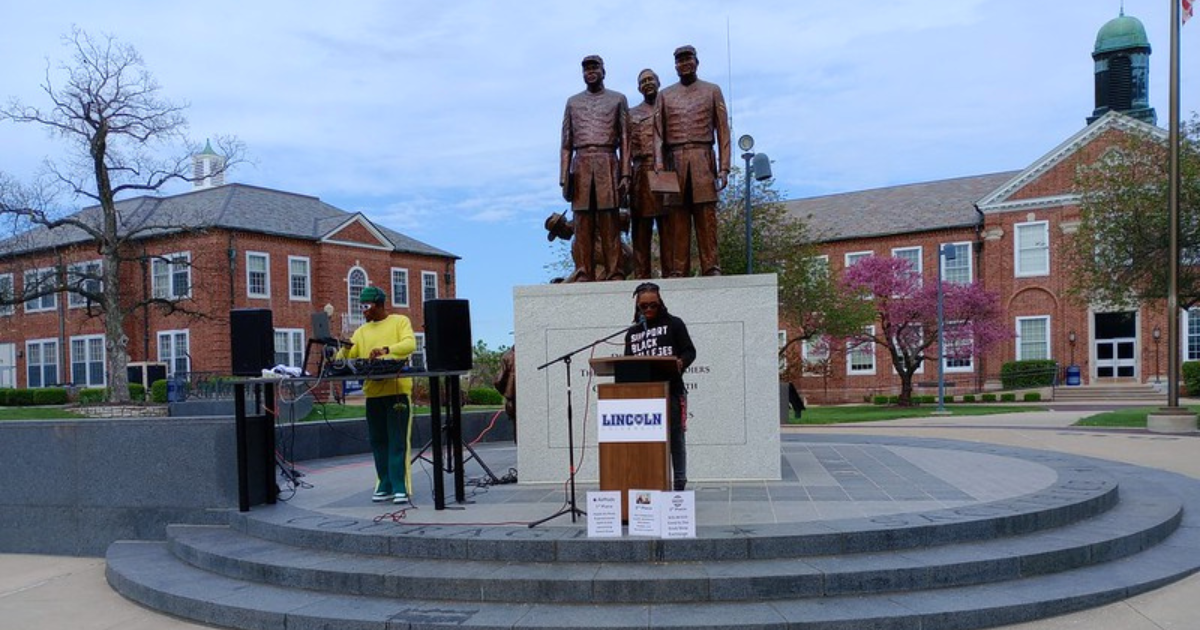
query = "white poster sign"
{"x": 645, "y": 513}
{"x": 632, "y": 420}
{"x": 679, "y": 514}
{"x": 604, "y": 514}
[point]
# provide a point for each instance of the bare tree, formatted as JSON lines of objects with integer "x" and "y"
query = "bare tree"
{"x": 108, "y": 109}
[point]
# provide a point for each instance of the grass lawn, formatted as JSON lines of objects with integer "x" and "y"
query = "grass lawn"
{"x": 36, "y": 413}
{"x": 872, "y": 413}
{"x": 1131, "y": 417}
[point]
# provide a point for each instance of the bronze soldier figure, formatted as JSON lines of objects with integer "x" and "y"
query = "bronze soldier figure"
{"x": 644, "y": 204}
{"x": 690, "y": 113}
{"x": 594, "y": 171}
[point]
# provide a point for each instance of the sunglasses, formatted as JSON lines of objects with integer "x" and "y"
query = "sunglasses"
{"x": 366, "y": 306}
{"x": 649, "y": 306}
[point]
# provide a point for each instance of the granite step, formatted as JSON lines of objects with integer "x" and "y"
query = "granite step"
{"x": 147, "y": 572}
{"x": 1136, "y": 523}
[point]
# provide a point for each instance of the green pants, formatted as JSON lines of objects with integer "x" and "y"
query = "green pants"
{"x": 388, "y": 429}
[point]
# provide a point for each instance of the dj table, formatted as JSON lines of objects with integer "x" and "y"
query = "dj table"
{"x": 255, "y": 430}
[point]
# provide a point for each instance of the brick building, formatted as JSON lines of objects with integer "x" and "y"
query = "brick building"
{"x": 215, "y": 249}
{"x": 1009, "y": 231}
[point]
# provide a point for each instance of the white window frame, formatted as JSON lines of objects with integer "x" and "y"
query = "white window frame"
{"x": 419, "y": 352}
{"x": 7, "y": 292}
{"x": 354, "y": 312}
{"x": 959, "y": 254}
{"x": 851, "y": 346}
{"x": 90, "y": 379}
{"x": 42, "y": 344}
{"x": 44, "y": 303}
{"x": 1018, "y": 270}
{"x": 170, "y": 262}
{"x": 853, "y": 257}
{"x": 293, "y": 338}
{"x": 917, "y": 268}
{"x": 1189, "y": 339}
{"x": 426, "y": 286}
{"x": 172, "y": 359}
{"x": 809, "y": 353}
{"x": 1021, "y": 355}
{"x": 820, "y": 266}
{"x": 77, "y": 270}
{"x": 265, "y": 293}
{"x": 399, "y": 297}
{"x": 304, "y": 280}
{"x": 969, "y": 359}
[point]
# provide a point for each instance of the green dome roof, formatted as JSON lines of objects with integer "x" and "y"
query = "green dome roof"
{"x": 1121, "y": 33}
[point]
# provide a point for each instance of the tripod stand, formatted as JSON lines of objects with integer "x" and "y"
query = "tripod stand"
{"x": 448, "y": 465}
{"x": 571, "y": 507}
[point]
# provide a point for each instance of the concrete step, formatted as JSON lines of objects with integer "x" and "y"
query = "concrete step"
{"x": 1136, "y": 392}
{"x": 1132, "y": 526}
{"x": 148, "y": 573}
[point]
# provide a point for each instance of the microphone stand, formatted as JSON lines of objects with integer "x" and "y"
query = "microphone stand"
{"x": 571, "y": 507}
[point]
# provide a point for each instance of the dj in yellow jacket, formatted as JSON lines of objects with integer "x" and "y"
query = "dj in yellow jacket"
{"x": 389, "y": 412}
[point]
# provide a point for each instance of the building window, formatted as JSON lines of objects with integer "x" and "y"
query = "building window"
{"x": 299, "y": 278}
{"x": 7, "y": 294}
{"x": 258, "y": 275}
{"x": 913, "y": 256}
{"x": 417, "y": 358}
{"x": 958, "y": 355}
{"x": 815, "y": 354}
{"x": 854, "y": 257}
{"x": 85, "y": 277}
{"x": 399, "y": 287}
{"x": 1032, "y": 249}
{"x": 783, "y": 364}
{"x": 958, "y": 271}
{"x": 37, "y": 280}
{"x": 356, "y": 281}
{"x": 289, "y": 347}
{"x": 41, "y": 362}
{"x": 429, "y": 288}
{"x": 87, "y": 361}
{"x": 1192, "y": 334}
{"x": 171, "y": 276}
{"x": 174, "y": 349}
{"x": 1033, "y": 338}
{"x": 860, "y": 353}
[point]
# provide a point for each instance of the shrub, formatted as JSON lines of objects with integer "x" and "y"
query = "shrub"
{"x": 989, "y": 398}
{"x": 137, "y": 392}
{"x": 968, "y": 398}
{"x": 1033, "y": 396}
{"x": 1008, "y": 397}
{"x": 947, "y": 399}
{"x": 158, "y": 391}
{"x": 880, "y": 400}
{"x": 484, "y": 396}
{"x": 20, "y": 397}
{"x": 1030, "y": 373}
{"x": 893, "y": 400}
{"x": 50, "y": 396}
{"x": 925, "y": 399}
{"x": 5, "y": 393}
{"x": 1191, "y": 377}
{"x": 92, "y": 395}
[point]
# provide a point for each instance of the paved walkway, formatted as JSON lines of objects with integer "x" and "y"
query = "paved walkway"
{"x": 57, "y": 592}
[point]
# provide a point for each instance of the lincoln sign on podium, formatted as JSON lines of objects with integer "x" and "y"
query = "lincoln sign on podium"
{"x": 632, "y": 420}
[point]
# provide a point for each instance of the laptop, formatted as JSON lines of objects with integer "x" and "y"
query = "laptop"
{"x": 320, "y": 327}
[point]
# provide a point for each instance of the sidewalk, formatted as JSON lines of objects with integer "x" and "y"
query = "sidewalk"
{"x": 49, "y": 592}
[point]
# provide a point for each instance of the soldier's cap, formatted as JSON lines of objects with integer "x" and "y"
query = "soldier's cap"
{"x": 558, "y": 227}
{"x": 592, "y": 59}
{"x": 371, "y": 295}
{"x": 685, "y": 50}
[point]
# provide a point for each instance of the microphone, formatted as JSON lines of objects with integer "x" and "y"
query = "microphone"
{"x": 642, "y": 321}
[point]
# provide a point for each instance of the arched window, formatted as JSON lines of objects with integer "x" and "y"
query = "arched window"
{"x": 356, "y": 281}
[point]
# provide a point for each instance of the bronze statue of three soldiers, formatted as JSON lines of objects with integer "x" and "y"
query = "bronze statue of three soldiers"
{"x": 657, "y": 159}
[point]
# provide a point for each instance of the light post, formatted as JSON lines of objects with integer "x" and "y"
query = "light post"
{"x": 761, "y": 169}
{"x": 946, "y": 252}
{"x": 1157, "y": 335}
{"x": 1071, "y": 341}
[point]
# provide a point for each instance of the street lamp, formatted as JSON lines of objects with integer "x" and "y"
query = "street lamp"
{"x": 1071, "y": 340}
{"x": 947, "y": 252}
{"x": 761, "y": 169}
{"x": 1157, "y": 335}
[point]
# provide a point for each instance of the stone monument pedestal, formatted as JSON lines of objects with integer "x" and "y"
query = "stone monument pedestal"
{"x": 733, "y": 386}
{"x": 1171, "y": 420}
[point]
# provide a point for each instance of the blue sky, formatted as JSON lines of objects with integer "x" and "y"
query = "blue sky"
{"x": 442, "y": 120}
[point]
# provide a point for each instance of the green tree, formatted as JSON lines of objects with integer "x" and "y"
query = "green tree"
{"x": 1119, "y": 254}
{"x": 125, "y": 140}
{"x": 486, "y": 364}
{"x": 809, "y": 297}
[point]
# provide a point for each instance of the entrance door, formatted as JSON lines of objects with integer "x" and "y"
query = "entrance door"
{"x": 1116, "y": 345}
{"x": 8, "y": 365}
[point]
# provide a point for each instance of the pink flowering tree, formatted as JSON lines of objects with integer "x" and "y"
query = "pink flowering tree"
{"x": 906, "y": 308}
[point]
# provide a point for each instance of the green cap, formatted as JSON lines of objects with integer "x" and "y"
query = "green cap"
{"x": 372, "y": 294}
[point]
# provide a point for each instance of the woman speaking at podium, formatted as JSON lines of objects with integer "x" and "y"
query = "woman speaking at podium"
{"x": 661, "y": 334}
{"x": 389, "y": 412}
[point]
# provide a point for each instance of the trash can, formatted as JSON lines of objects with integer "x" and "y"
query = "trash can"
{"x": 175, "y": 390}
{"x": 1073, "y": 376}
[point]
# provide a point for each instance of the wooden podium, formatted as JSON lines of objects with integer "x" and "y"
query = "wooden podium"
{"x": 636, "y": 465}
